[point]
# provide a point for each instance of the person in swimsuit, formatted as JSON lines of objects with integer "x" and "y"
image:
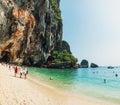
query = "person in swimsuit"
{"x": 15, "y": 70}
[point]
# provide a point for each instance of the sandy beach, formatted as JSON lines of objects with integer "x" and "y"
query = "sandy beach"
{"x": 20, "y": 91}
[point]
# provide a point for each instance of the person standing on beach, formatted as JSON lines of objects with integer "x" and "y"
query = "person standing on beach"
{"x": 25, "y": 72}
{"x": 10, "y": 67}
{"x": 21, "y": 72}
{"x": 15, "y": 70}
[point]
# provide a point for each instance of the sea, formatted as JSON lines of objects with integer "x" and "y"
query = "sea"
{"x": 101, "y": 82}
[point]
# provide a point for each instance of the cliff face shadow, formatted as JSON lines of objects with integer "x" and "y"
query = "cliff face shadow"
{"x": 5, "y": 56}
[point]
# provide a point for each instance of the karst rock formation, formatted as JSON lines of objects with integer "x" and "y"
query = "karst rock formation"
{"x": 29, "y": 30}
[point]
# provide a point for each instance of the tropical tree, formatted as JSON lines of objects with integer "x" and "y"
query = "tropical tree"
{"x": 63, "y": 57}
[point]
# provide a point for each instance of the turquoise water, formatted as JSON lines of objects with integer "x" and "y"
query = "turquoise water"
{"x": 89, "y": 81}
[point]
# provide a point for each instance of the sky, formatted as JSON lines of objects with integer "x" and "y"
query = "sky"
{"x": 92, "y": 29}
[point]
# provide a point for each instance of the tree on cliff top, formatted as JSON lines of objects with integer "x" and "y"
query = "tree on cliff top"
{"x": 63, "y": 57}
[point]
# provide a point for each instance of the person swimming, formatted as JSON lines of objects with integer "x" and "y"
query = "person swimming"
{"x": 116, "y": 75}
{"x": 50, "y": 78}
{"x": 104, "y": 80}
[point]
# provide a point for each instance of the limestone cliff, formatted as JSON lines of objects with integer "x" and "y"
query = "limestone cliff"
{"x": 29, "y": 30}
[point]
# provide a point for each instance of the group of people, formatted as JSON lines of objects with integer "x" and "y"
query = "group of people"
{"x": 116, "y": 75}
{"x": 22, "y": 71}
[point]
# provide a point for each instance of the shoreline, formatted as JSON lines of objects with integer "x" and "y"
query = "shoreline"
{"x": 17, "y": 91}
{"x": 84, "y": 98}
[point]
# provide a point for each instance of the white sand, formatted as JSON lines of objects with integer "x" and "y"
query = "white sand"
{"x": 17, "y": 91}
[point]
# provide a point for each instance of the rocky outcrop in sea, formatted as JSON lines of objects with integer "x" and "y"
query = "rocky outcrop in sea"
{"x": 84, "y": 64}
{"x": 93, "y": 65}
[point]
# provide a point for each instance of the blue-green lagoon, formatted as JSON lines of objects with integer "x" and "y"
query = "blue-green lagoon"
{"x": 86, "y": 81}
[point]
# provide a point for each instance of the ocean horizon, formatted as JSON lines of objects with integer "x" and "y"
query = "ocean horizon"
{"x": 98, "y": 82}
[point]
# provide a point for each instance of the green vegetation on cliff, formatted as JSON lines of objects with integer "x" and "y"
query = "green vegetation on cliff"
{"x": 56, "y": 10}
{"x": 63, "y": 57}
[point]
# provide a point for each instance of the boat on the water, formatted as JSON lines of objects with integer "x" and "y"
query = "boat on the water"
{"x": 110, "y": 67}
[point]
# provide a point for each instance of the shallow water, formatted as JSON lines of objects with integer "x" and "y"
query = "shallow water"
{"x": 89, "y": 81}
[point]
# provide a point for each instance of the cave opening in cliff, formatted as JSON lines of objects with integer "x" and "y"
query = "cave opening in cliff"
{"x": 5, "y": 56}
